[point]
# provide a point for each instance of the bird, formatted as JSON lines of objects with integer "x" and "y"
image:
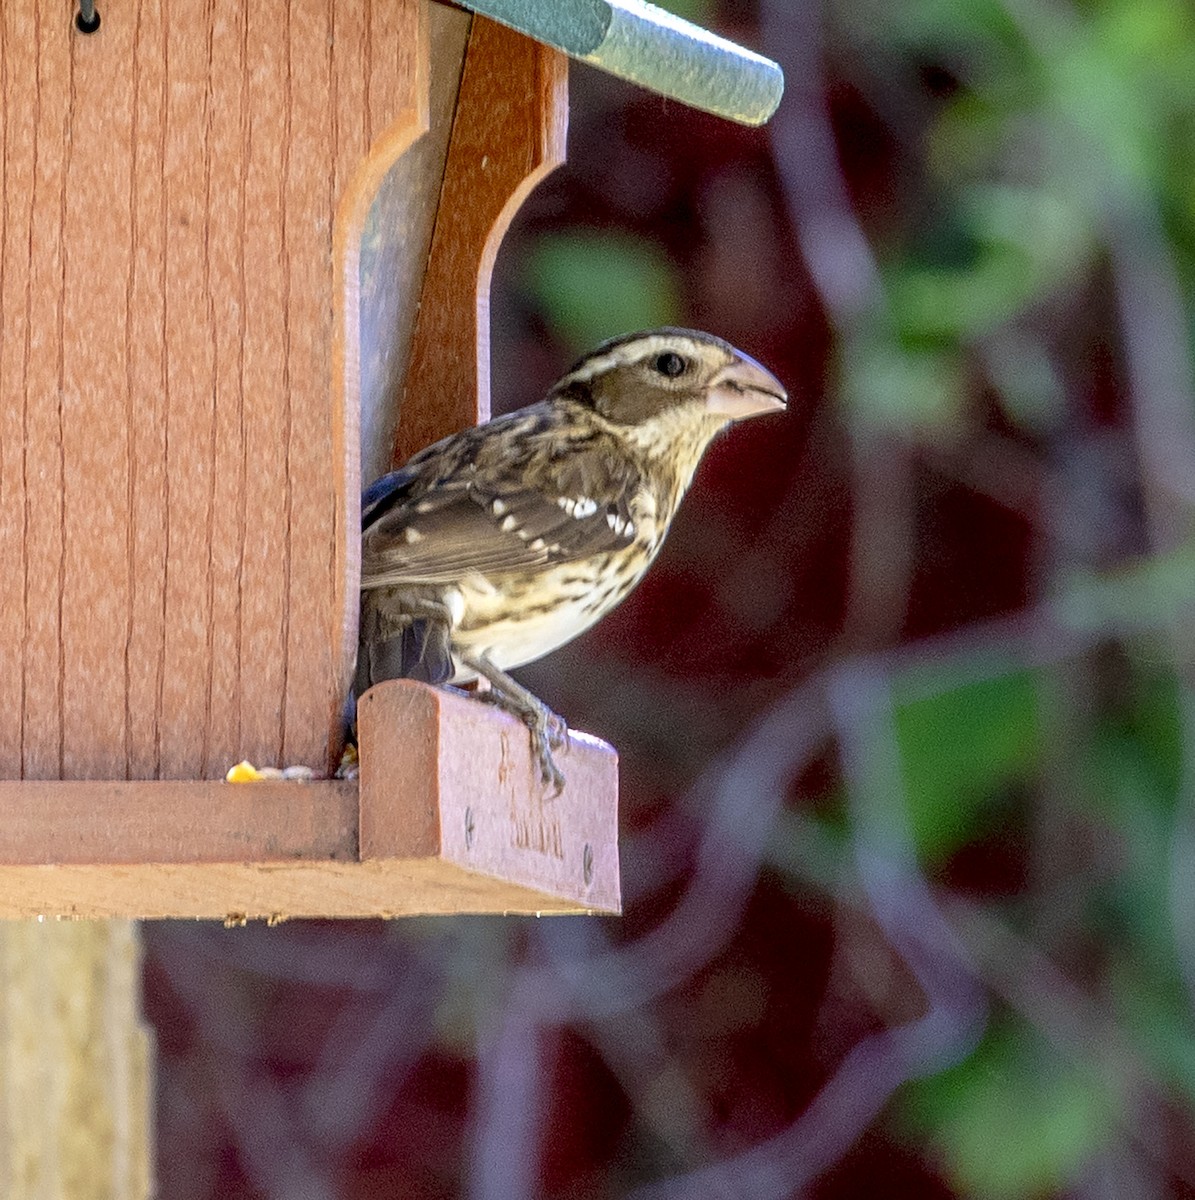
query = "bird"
{"x": 500, "y": 543}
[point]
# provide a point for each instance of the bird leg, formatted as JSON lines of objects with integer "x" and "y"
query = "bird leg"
{"x": 548, "y": 730}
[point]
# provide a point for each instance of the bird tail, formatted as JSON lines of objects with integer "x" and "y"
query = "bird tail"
{"x": 418, "y": 649}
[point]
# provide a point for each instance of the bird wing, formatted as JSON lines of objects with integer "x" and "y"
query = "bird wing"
{"x": 509, "y": 496}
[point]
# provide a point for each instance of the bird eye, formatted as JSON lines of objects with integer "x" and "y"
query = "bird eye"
{"x": 670, "y": 364}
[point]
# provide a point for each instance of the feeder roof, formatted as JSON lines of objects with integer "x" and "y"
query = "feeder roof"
{"x": 653, "y": 48}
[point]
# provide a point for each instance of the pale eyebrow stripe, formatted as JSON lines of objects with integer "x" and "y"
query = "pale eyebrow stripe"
{"x": 631, "y": 352}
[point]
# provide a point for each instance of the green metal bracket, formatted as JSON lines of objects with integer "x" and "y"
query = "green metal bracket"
{"x": 653, "y": 48}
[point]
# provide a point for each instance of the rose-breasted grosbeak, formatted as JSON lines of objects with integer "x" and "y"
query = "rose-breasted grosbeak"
{"x": 501, "y": 543}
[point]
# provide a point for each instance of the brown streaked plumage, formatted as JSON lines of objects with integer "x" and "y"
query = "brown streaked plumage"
{"x": 499, "y": 544}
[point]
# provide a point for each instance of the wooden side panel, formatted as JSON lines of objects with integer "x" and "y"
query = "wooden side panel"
{"x": 396, "y": 242}
{"x": 19, "y": 85}
{"x": 77, "y": 821}
{"x": 182, "y": 196}
{"x": 499, "y": 152}
{"x": 42, "y": 81}
{"x": 93, "y": 446}
{"x": 145, "y": 399}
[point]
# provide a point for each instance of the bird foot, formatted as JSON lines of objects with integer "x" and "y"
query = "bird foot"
{"x": 541, "y": 749}
{"x": 549, "y": 731}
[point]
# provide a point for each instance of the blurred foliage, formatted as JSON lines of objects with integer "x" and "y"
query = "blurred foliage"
{"x": 888, "y": 382}
{"x": 1013, "y": 1120}
{"x": 1045, "y": 126}
{"x": 962, "y": 748}
{"x": 1054, "y": 120}
{"x": 595, "y": 285}
{"x": 1141, "y": 594}
{"x": 700, "y": 12}
{"x": 1048, "y": 125}
{"x": 1022, "y": 1116}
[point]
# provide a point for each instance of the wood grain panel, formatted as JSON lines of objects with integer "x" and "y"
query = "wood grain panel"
{"x": 45, "y": 81}
{"x": 395, "y": 244}
{"x": 76, "y": 1092}
{"x": 145, "y": 400}
{"x": 182, "y": 197}
{"x": 94, "y": 424}
{"x": 181, "y": 820}
{"x": 16, "y": 219}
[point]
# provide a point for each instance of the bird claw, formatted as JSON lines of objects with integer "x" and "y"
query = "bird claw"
{"x": 549, "y": 730}
{"x": 556, "y": 730}
{"x": 549, "y": 772}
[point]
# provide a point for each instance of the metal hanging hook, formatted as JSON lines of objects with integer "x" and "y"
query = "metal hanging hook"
{"x": 87, "y": 20}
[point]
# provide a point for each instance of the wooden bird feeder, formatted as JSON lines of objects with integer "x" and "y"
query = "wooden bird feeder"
{"x": 245, "y": 250}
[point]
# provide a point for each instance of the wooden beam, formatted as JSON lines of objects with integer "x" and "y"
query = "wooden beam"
{"x": 75, "y": 1092}
{"x": 448, "y": 775}
{"x": 176, "y": 821}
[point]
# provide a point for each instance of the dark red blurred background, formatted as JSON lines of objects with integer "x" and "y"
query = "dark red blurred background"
{"x": 889, "y": 911}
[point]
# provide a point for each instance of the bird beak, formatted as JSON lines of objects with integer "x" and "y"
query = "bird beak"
{"x": 745, "y": 389}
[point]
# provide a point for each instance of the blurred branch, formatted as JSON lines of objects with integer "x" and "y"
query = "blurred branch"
{"x": 260, "y": 1118}
{"x": 509, "y": 1101}
{"x": 1155, "y": 329}
{"x": 590, "y": 980}
{"x": 901, "y": 903}
{"x": 367, "y": 1053}
{"x": 832, "y": 243}
{"x": 1154, "y": 325}
{"x": 1012, "y": 967}
{"x": 746, "y": 790}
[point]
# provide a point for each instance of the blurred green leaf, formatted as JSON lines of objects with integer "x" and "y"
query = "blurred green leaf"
{"x": 1104, "y": 120}
{"x": 1027, "y": 385}
{"x": 961, "y": 142}
{"x": 1158, "y": 1014}
{"x": 907, "y": 388}
{"x": 961, "y": 747}
{"x": 1144, "y": 594}
{"x": 1026, "y": 243}
{"x": 1013, "y": 1121}
{"x": 1131, "y": 900}
{"x": 1131, "y": 768}
{"x": 1156, "y": 723}
{"x": 973, "y": 35}
{"x": 595, "y": 285}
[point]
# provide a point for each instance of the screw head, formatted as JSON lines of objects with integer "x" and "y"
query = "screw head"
{"x": 587, "y": 864}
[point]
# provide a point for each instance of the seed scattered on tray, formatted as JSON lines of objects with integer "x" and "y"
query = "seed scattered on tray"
{"x": 246, "y": 772}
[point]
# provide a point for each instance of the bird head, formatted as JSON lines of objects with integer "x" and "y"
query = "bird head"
{"x": 664, "y": 383}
